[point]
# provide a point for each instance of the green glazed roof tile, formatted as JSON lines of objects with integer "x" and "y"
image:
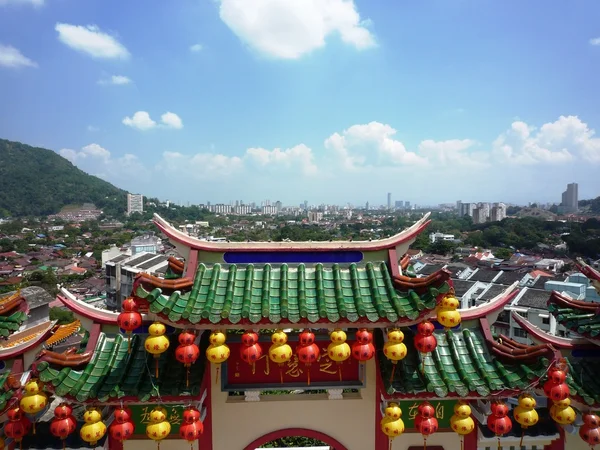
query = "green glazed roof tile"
{"x": 256, "y": 293}
{"x": 11, "y": 323}
{"x": 460, "y": 365}
{"x": 582, "y": 378}
{"x": 114, "y": 373}
{"x": 587, "y": 324}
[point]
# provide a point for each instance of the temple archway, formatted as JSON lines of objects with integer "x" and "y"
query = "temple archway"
{"x": 286, "y": 432}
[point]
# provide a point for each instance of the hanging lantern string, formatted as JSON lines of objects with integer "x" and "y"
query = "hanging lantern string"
{"x": 154, "y": 387}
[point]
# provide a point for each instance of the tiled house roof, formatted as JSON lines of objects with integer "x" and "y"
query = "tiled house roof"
{"x": 461, "y": 365}
{"x": 293, "y": 294}
{"x": 114, "y": 374}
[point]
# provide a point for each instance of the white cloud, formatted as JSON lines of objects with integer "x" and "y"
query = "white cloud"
{"x": 453, "y": 152}
{"x": 595, "y": 41}
{"x": 140, "y": 120}
{"x": 299, "y": 158}
{"x": 292, "y": 28}
{"x": 370, "y": 144}
{"x": 91, "y": 40}
{"x": 196, "y": 48}
{"x": 22, "y": 2}
{"x": 93, "y": 151}
{"x": 92, "y": 128}
{"x": 559, "y": 142}
{"x": 13, "y": 58}
{"x": 199, "y": 166}
{"x": 171, "y": 120}
{"x": 117, "y": 80}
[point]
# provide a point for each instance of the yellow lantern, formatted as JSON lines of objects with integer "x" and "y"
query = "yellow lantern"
{"x": 338, "y": 349}
{"x": 158, "y": 428}
{"x": 562, "y": 412}
{"x": 461, "y": 421}
{"x": 525, "y": 414}
{"x": 93, "y": 429}
{"x": 394, "y": 349}
{"x": 280, "y": 352}
{"x": 218, "y": 351}
{"x": 447, "y": 313}
{"x": 392, "y": 424}
{"x": 157, "y": 343}
{"x": 34, "y": 399}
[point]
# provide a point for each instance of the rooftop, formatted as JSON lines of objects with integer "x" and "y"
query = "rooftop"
{"x": 534, "y": 298}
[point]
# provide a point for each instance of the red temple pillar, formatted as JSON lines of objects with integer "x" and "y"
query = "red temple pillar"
{"x": 113, "y": 444}
{"x": 559, "y": 443}
{"x": 470, "y": 440}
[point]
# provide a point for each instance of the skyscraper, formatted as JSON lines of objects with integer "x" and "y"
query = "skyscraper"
{"x": 570, "y": 199}
{"x": 389, "y": 200}
{"x": 135, "y": 203}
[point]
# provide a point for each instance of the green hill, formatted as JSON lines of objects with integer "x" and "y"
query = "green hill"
{"x": 37, "y": 181}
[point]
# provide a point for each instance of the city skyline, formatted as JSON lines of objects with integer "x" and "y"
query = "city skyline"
{"x": 355, "y": 98}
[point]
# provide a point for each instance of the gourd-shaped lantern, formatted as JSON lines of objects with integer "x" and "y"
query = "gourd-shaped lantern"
{"x": 338, "y": 349}
{"x": 394, "y": 349}
{"x": 363, "y": 348}
{"x": 122, "y": 427}
{"x": 461, "y": 421}
{"x": 93, "y": 429}
{"x": 392, "y": 424}
{"x": 129, "y": 319}
{"x": 217, "y": 352}
{"x": 308, "y": 352}
{"x": 187, "y": 352}
{"x": 562, "y": 412}
{"x": 447, "y": 314}
{"x": 157, "y": 343}
{"x": 159, "y": 427}
{"x": 17, "y": 426}
{"x": 556, "y": 388}
{"x": 426, "y": 422}
{"x": 499, "y": 422}
{"x": 525, "y": 414}
{"x": 192, "y": 427}
{"x": 250, "y": 350}
{"x": 280, "y": 352}
{"x": 63, "y": 423}
{"x": 34, "y": 400}
{"x": 590, "y": 431}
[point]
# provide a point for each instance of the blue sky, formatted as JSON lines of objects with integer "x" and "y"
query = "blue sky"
{"x": 331, "y": 101}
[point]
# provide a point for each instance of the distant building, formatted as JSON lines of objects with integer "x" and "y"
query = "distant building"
{"x": 389, "y": 200}
{"x": 135, "y": 203}
{"x": 399, "y": 204}
{"x": 145, "y": 243}
{"x": 434, "y": 237}
{"x": 269, "y": 210}
{"x": 407, "y": 204}
{"x": 498, "y": 212}
{"x": 570, "y": 199}
{"x": 315, "y": 216}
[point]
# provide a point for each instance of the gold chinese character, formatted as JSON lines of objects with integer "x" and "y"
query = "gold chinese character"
{"x": 293, "y": 367}
{"x": 439, "y": 410}
{"x": 174, "y": 416}
{"x": 267, "y": 370}
{"x": 145, "y": 417}
{"x": 325, "y": 364}
{"x": 413, "y": 411}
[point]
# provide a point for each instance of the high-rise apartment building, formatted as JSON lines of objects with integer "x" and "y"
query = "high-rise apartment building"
{"x": 570, "y": 199}
{"x": 389, "y": 200}
{"x": 135, "y": 203}
{"x": 498, "y": 212}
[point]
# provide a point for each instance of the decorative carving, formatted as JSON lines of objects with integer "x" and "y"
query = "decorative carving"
{"x": 405, "y": 283}
{"x": 69, "y": 358}
{"x": 335, "y": 394}
{"x": 252, "y": 396}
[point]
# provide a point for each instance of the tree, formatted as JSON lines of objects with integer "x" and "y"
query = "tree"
{"x": 442, "y": 247}
{"x": 503, "y": 253}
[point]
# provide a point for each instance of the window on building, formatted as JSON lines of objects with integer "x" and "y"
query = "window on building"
{"x": 523, "y": 314}
{"x": 518, "y": 332}
{"x": 546, "y": 320}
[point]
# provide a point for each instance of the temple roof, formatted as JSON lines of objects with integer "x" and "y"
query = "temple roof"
{"x": 575, "y": 315}
{"x": 111, "y": 374}
{"x": 250, "y": 294}
{"x": 462, "y": 365}
{"x": 404, "y": 236}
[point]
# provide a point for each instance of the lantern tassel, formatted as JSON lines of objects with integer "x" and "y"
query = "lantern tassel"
{"x": 393, "y": 372}
{"x": 280, "y": 373}
{"x": 129, "y": 342}
{"x": 156, "y": 368}
{"x": 521, "y": 441}
{"x": 390, "y": 444}
{"x": 308, "y": 373}
{"x": 34, "y": 427}
{"x": 424, "y": 443}
{"x": 187, "y": 377}
{"x": 64, "y": 445}
{"x": 462, "y": 443}
{"x": 217, "y": 377}
{"x": 499, "y": 446}
{"x": 340, "y": 371}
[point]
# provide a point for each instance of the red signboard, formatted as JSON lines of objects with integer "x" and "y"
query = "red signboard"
{"x": 239, "y": 375}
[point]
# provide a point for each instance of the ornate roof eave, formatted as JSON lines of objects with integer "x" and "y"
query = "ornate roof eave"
{"x": 540, "y": 336}
{"x": 589, "y": 272}
{"x": 567, "y": 302}
{"x": 41, "y": 333}
{"x": 407, "y": 234}
{"x": 492, "y": 308}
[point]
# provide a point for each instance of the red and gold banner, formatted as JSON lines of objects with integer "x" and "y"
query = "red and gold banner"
{"x": 240, "y": 375}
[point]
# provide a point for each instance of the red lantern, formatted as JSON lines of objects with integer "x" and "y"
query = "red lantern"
{"x": 556, "y": 388}
{"x": 499, "y": 422}
{"x": 363, "y": 348}
{"x": 122, "y": 427}
{"x": 425, "y": 341}
{"x": 129, "y": 319}
{"x": 63, "y": 423}
{"x": 187, "y": 352}
{"x": 18, "y": 425}
{"x": 250, "y": 350}
{"x": 426, "y": 422}
{"x": 590, "y": 431}
{"x": 308, "y": 352}
{"x": 192, "y": 427}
